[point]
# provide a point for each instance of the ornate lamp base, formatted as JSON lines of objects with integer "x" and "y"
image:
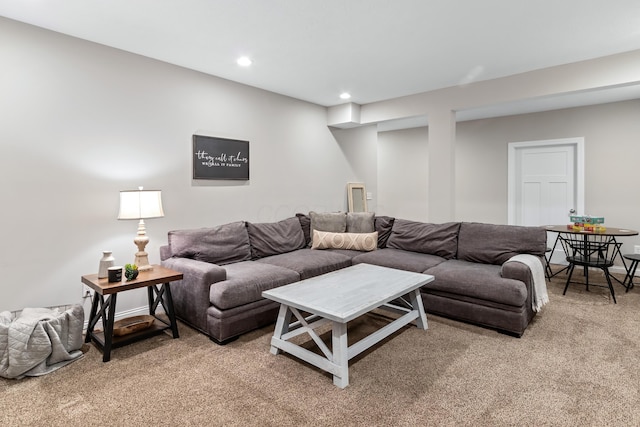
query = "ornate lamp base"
{"x": 142, "y": 261}
{"x": 141, "y": 240}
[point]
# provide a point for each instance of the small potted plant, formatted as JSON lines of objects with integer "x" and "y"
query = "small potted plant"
{"x": 130, "y": 271}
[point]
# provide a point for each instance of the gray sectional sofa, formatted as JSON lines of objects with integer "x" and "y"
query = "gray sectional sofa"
{"x": 226, "y": 268}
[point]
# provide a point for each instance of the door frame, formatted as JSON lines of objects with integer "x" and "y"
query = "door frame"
{"x": 513, "y": 147}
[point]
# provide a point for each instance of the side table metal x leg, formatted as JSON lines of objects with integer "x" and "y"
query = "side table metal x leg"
{"x": 163, "y": 297}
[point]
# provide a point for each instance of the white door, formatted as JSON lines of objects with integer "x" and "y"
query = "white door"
{"x": 546, "y": 182}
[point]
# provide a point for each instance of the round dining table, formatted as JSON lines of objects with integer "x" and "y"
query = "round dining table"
{"x": 609, "y": 231}
{"x": 572, "y": 244}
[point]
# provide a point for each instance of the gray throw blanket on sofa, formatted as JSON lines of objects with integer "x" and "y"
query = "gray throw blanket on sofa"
{"x": 39, "y": 341}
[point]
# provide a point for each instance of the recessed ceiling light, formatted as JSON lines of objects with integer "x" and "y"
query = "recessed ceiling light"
{"x": 244, "y": 61}
{"x": 345, "y": 95}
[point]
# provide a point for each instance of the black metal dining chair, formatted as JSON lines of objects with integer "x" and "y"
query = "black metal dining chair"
{"x": 591, "y": 251}
{"x": 631, "y": 272}
{"x": 547, "y": 261}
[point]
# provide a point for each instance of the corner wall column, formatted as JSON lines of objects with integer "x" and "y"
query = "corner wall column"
{"x": 441, "y": 163}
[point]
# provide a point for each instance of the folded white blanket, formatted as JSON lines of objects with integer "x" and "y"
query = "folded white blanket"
{"x": 539, "y": 291}
{"x": 39, "y": 341}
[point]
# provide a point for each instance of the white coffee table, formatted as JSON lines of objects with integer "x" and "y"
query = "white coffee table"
{"x": 337, "y": 298}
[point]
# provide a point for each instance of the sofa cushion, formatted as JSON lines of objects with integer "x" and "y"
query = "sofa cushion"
{"x": 396, "y": 258}
{"x": 478, "y": 281}
{"x": 354, "y": 241}
{"x": 360, "y": 222}
{"x": 305, "y": 223}
{"x": 470, "y": 306}
{"x": 275, "y": 237}
{"x": 433, "y": 239}
{"x": 494, "y": 244}
{"x": 335, "y": 222}
{"x": 346, "y": 252}
{"x": 383, "y": 225}
{"x": 220, "y": 245}
{"x": 309, "y": 262}
{"x": 246, "y": 281}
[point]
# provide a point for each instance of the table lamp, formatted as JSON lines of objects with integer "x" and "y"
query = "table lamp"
{"x": 141, "y": 204}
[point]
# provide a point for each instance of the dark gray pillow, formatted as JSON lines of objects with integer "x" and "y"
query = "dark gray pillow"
{"x": 335, "y": 222}
{"x": 305, "y": 223}
{"x": 433, "y": 239}
{"x": 383, "y": 225}
{"x": 360, "y": 222}
{"x": 273, "y": 238}
{"x": 220, "y": 245}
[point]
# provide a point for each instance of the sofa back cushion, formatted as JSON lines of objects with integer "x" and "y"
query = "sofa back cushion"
{"x": 305, "y": 223}
{"x": 275, "y": 238}
{"x": 335, "y": 222}
{"x": 220, "y": 245}
{"x": 494, "y": 244}
{"x": 432, "y": 239}
{"x": 360, "y": 222}
{"x": 383, "y": 225}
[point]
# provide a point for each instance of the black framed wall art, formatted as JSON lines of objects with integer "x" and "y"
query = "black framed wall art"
{"x": 220, "y": 158}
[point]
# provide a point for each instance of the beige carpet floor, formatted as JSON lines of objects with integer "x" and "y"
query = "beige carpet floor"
{"x": 578, "y": 363}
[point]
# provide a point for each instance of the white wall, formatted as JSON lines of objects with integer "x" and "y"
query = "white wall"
{"x": 439, "y": 107}
{"x": 81, "y": 121}
{"x": 403, "y": 173}
{"x": 611, "y": 133}
{"x": 359, "y": 146}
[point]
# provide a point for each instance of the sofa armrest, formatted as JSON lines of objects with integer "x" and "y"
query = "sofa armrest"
{"x": 517, "y": 271}
{"x": 522, "y": 272}
{"x": 165, "y": 252}
{"x": 191, "y": 294}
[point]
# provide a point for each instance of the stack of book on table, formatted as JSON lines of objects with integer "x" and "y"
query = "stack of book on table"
{"x": 589, "y": 223}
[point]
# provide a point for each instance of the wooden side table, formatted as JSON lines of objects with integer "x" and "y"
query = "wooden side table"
{"x": 103, "y": 306}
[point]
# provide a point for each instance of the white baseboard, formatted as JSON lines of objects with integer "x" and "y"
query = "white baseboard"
{"x": 616, "y": 269}
{"x": 619, "y": 270}
{"x": 123, "y": 314}
{"x": 119, "y": 315}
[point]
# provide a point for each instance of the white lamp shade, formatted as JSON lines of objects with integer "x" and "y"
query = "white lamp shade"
{"x": 137, "y": 204}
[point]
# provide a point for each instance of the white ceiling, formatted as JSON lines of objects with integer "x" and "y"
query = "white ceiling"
{"x": 375, "y": 49}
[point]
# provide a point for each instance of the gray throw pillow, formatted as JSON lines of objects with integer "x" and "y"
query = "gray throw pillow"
{"x": 275, "y": 238}
{"x": 220, "y": 245}
{"x": 335, "y": 222}
{"x": 360, "y": 222}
